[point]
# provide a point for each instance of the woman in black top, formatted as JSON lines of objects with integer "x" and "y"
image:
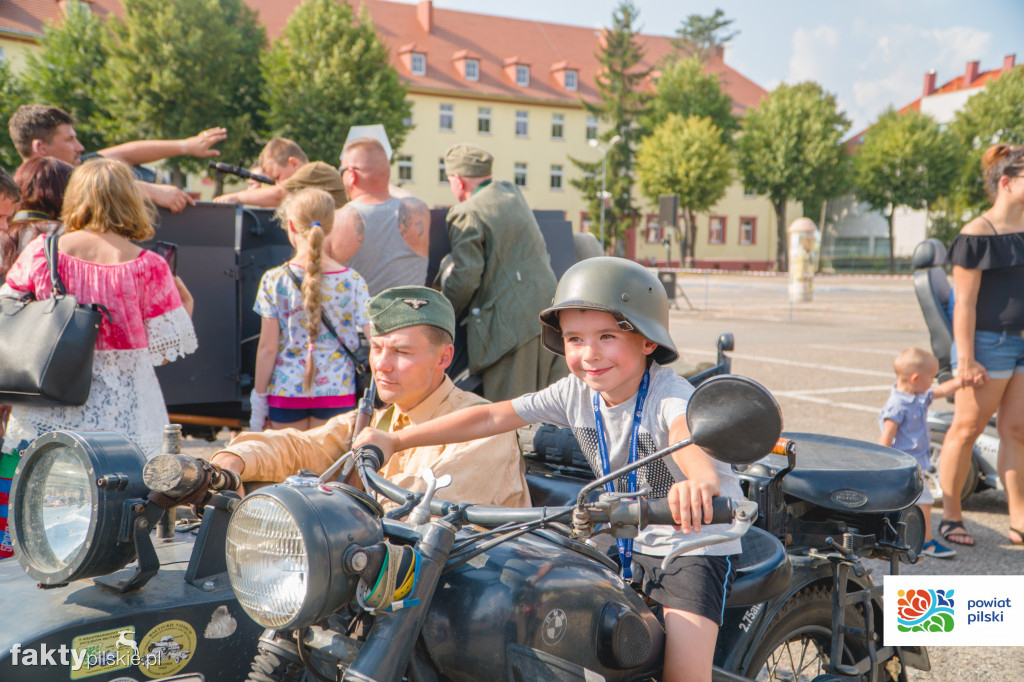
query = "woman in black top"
{"x": 988, "y": 350}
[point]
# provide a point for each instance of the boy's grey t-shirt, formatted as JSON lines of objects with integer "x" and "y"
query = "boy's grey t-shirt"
{"x": 570, "y": 403}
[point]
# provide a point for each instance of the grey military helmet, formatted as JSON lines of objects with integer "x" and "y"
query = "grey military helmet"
{"x": 624, "y": 288}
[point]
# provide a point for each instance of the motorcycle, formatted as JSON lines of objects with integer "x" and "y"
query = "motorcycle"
{"x": 934, "y": 295}
{"x": 459, "y": 592}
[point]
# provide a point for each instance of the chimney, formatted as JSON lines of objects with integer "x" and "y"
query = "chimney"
{"x": 425, "y": 14}
{"x": 929, "y": 83}
{"x": 971, "y": 74}
{"x": 1009, "y": 61}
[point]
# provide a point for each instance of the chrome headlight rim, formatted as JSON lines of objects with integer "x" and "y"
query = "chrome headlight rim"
{"x": 316, "y": 513}
{"x": 112, "y": 466}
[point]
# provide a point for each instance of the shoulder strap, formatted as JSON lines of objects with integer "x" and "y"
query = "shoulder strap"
{"x": 50, "y": 248}
{"x": 985, "y": 218}
{"x": 325, "y": 321}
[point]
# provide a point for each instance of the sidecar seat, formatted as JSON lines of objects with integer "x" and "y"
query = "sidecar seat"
{"x": 763, "y": 569}
{"x": 933, "y": 293}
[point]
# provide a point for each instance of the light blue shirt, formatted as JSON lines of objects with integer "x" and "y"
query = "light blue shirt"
{"x": 910, "y": 412}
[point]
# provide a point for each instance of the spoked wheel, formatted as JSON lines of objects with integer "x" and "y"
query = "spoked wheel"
{"x": 798, "y": 641}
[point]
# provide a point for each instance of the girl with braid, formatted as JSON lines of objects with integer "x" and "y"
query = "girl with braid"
{"x": 303, "y": 376}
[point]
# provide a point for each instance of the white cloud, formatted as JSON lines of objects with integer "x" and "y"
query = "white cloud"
{"x": 814, "y": 54}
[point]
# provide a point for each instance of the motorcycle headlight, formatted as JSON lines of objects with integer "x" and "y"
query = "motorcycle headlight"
{"x": 285, "y": 551}
{"x": 67, "y": 505}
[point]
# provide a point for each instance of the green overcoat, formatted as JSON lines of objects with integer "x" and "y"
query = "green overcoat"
{"x": 501, "y": 273}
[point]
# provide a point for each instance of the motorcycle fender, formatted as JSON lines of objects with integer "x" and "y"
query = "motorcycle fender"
{"x": 743, "y": 627}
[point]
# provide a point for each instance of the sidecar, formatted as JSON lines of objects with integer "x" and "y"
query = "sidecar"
{"x": 71, "y": 613}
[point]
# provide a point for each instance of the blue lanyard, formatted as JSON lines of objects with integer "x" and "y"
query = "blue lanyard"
{"x": 625, "y": 545}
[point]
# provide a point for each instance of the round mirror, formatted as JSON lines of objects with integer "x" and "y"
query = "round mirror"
{"x": 734, "y": 419}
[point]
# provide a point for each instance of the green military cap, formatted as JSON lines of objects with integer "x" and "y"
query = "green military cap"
{"x": 407, "y": 306}
{"x": 468, "y": 161}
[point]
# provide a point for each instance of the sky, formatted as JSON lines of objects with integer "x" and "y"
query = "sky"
{"x": 869, "y": 53}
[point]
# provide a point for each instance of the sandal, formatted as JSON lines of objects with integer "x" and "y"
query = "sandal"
{"x": 954, "y": 532}
{"x": 1020, "y": 534}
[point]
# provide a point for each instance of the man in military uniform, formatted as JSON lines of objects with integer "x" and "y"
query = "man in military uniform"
{"x": 500, "y": 277}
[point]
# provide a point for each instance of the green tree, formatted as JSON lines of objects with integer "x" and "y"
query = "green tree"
{"x": 66, "y": 72}
{"x": 621, "y": 85}
{"x": 688, "y": 157}
{"x": 12, "y": 96}
{"x": 905, "y": 160}
{"x": 176, "y": 68}
{"x": 791, "y": 148}
{"x": 328, "y": 72}
{"x": 701, "y": 36}
{"x": 684, "y": 89}
{"x": 994, "y": 115}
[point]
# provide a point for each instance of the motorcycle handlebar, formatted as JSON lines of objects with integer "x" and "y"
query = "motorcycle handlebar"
{"x": 371, "y": 459}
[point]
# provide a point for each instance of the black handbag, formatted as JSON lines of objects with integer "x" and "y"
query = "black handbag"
{"x": 360, "y": 360}
{"x": 47, "y": 346}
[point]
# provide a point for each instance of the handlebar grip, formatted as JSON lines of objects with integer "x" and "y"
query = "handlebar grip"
{"x": 658, "y": 511}
{"x": 371, "y": 453}
{"x": 783, "y": 446}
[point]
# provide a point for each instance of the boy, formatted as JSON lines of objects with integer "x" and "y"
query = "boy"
{"x": 904, "y": 424}
{"x": 610, "y": 321}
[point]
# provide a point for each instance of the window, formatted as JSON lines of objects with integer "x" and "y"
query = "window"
{"x": 520, "y": 174}
{"x": 522, "y": 123}
{"x": 591, "y": 127}
{"x": 407, "y": 121}
{"x": 483, "y": 120}
{"x": 447, "y": 117}
{"x": 418, "y": 65}
{"x": 586, "y": 224}
{"x": 442, "y": 173}
{"x": 653, "y": 232}
{"x": 523, "y": 75}
{"x": 716, "y": 230}
{"x": 749, "y": 193}
{"x": 557, "y": 126}
{"x": 571, "y": 79}
{"x": 556, "y": 177}
{"x": 748, "y": 230}
{"x": 404, "y": 168}
{"x": 472, "y": 69}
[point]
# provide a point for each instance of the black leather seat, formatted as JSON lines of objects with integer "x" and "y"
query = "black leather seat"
{"x": 931, "y": 284}
{"x": 762, "y": 569}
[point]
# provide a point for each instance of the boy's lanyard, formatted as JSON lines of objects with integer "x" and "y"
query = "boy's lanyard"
{"x": 625, "y": 546}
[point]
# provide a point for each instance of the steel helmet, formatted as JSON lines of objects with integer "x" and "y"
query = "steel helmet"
{"x": 624, "y": 288}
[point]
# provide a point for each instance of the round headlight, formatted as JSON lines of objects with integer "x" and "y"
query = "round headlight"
{"x": 67, "y": 505}
{"x": 285, "y": 552}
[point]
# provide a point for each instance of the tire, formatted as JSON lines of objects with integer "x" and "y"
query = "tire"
{"x": 798, "y": 640}
{"x": 931, "y": 479}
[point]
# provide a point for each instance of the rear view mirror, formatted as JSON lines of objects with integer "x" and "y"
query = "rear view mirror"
{"x": 734, "y": 419}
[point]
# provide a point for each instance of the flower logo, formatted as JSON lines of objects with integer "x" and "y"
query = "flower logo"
{"x": 924, "y": 611}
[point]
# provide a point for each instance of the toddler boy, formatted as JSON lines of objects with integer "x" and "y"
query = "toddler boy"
{"x": 904, "y": 424}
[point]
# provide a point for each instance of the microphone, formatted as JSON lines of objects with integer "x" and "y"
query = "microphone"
{"x": 240, "y": 172}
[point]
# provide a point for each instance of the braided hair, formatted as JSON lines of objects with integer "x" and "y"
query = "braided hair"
{"x": 311, "y": 213}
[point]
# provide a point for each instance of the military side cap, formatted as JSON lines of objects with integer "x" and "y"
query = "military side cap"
{"x": 408, "y": 306}
{"x": 468, "y": 161}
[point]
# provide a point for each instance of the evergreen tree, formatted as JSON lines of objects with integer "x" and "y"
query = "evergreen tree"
{"x": 994, "y": 115}
{"x": 176, "y": 68}
{"x": 328, "y": 72}
{"x": 65, "y": 73}
{"x": 905, "y": 160}
{"x": 701, "y": 36}
{"x": 684, "y": 89}
{"x": 621, "y": 85}
{"x": 689, "y": 158}
{"x": 791, "y": 149}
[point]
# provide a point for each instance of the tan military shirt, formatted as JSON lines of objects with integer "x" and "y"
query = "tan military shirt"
{"x": 484, "y": 471}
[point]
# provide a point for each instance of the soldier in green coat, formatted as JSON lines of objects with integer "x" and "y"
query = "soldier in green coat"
{"x": 501, "y": 278}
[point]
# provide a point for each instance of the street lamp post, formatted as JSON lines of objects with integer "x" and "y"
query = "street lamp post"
{"x": 604, "y": 174}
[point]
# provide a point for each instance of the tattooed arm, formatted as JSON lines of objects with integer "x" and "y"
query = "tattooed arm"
{"x": 414, "y": 225}
{"x": 347, "y": 235}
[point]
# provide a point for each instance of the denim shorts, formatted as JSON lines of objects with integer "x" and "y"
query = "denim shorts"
{"x": 1001, "y": 353}
{"x": 290, "y": 415}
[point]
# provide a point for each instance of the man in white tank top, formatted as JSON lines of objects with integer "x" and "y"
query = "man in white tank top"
{"x": 382, "y": 237}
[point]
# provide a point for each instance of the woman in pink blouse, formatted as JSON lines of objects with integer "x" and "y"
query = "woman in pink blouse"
{"x": 150, "y": 309}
